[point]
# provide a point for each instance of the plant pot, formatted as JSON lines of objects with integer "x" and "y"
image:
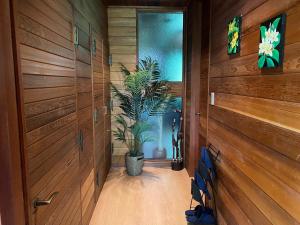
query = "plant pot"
{"x": 159, "y": 153}
{"x": 177, "y": 165}
{"x": 134, "y": 164}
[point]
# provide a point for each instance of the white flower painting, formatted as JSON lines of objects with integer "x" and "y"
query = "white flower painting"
{"x": 271, "y": 43}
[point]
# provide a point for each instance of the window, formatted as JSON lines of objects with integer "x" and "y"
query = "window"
{"x": 160, "y": 36}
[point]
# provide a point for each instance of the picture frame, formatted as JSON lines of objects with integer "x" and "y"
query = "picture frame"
{"x": 271, "y": 42}
{"x": 234, "y": 35}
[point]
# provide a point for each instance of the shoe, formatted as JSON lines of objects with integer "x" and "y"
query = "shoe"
{"x": 204, "y": 216}
{"x": 192, "y": 212}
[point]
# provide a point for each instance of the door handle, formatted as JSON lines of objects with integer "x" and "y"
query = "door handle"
{"x": 198, "y": 114}
{"x": 80, "y": 140}
{"x": 38, "y": 202}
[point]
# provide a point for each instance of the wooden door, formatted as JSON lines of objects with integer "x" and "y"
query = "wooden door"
{"x": 99, "y": 112}
{"x": 47, "y": 78}
{"x": 85, "y": 114}
{"x": 196, "y": 89}
{"x": 11, "y": 185}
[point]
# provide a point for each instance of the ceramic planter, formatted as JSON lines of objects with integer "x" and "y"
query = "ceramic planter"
{"x": 134, "y": 165}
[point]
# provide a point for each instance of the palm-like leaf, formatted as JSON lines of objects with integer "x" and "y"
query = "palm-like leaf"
{"x": 145, "y": 94}
{"x": 151, "y": 66}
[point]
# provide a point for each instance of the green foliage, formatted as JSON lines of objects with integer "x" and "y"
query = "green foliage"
{"x": 270, "y": 62}
{"x": 234, "y": 35}
{"x": 144, "y": 95}
{"x": 270, "y": 40}
{"x": 263, "y": 31}
{"x": 275, "y": 23}
{"x": 261, "y": 61}
{"x": 275, "y": 55}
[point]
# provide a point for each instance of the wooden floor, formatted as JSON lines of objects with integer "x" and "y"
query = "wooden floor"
{"x": 158, "y": 197}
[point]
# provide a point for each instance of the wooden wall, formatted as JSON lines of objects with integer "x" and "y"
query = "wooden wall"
{"x": 58, "y": 89}
{"x": 255, "y": 121}
{"x": 122, "y": 47}
{"x": 93, "y": 86}
{"x": 48, "y": 86}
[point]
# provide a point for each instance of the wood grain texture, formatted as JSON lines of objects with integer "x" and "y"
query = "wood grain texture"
{"x": 152, "y": 194}
{"x": 99, "y": 114}
{"x": 57, "y": 99}
{"x": 12, "y": 205}
{"x": 85, "y": 115}
{"x": 123, "y": 49}
{"x": 93, "y": 99}
{"x": 48, "y": 90}
{"x": 255, "y": 120}
{"x": 196, "y": 82}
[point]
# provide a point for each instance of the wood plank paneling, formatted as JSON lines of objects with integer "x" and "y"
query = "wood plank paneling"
{"x": 57, "y": 99}
{"x": 40, "y": 94}
{"x": 35, "y": 41}
{"x": 122, "y": 48}
{"x": 255, "y": 120}
{"x": 99, "y": 104}
{"x": 286, "y": 142}
{"x": 39, "y": 13}
{"x": 30, "y": 25}
{"x": 92, "y": 81}
{"x": 37, "y": 55}
{"x": 48, "y": 88}
{"x": 85, "y": 114}
{"x": 33, "y": 81}
{"x": 36, "y": 68}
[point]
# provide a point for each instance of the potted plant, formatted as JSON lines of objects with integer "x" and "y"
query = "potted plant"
{"x": 145, "y": 94}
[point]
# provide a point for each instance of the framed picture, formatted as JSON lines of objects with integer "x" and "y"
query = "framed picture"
{"x": 234, "y": 35}
{"x": 271, "y": 46}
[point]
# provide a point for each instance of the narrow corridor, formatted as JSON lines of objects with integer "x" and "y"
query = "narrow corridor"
{"x": 157, "y": 197}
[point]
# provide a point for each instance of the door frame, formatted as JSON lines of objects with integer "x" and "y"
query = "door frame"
{"x": 12, "y": 207}
{"x": 193, "y": 83}
{"x": 199, "y": 16}
{"x": 177, "y": 88}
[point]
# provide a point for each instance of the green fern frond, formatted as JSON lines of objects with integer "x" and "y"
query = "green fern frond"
{"x": 144, "y": 94}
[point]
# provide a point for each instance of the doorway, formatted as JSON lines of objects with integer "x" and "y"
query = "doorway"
{"x": 160, "y": 36}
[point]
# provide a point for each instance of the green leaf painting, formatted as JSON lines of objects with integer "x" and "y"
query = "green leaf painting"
{"x": 270, "y": 54}
{"x": 234, "y": 33}
{"x": 261, "y": 61}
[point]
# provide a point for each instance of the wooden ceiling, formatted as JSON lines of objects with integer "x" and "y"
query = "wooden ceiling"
{"x": 167, "y": 3}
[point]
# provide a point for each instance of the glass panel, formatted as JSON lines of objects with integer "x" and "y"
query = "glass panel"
{"x": 161, "y": 147}
{"x": 160, "y": 36}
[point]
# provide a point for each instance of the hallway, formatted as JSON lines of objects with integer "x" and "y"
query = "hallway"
{"x": 158, "y": 197}
{"x": 98, "y": 98}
